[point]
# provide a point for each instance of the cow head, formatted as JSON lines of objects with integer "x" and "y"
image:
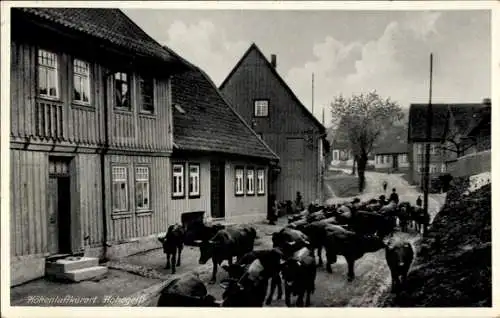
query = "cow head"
{"x": 206, "y": 251}
{"x": 372, "y": 243}
{"x": 235, "y": 271}
{"x": 291, "y": 271}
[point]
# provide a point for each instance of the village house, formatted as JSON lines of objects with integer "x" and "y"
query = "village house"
{"x": 440, "y": 136}
{"x": 96, "y": 167}
{"x": 263, "y": 99}
{"x": 392, "y": 158}
{"x": 474, "y": 156}
{"x": 220, "y": 166}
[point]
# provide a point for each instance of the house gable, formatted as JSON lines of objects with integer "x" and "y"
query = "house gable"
{"x": 254, "y": 78}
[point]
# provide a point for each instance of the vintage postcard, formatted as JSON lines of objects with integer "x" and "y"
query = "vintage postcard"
{"x": 269, "y": 155}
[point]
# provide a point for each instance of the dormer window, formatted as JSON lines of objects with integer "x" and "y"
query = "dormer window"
{"x": 261, "y": 108}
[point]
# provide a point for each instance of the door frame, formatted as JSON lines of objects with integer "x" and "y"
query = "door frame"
{"x": 74, "y": 227}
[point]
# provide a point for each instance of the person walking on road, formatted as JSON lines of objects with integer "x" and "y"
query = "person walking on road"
{"x": 394, "y": 196}
{"x": 419, "y": 202}
{"x": 384, "y": 185}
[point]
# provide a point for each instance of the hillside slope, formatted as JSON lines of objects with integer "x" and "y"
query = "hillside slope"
{"x": 453, "y": 266}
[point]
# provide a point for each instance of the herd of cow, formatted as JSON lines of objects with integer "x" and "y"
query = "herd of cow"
{"x": 349, "y": 229}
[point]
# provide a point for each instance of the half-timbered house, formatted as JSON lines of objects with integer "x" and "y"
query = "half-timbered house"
{"x": 90, "y": 136}
{"x": 263, "y": 99}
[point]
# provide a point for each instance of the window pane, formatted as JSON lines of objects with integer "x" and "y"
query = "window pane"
{"x": 42, "y": 81}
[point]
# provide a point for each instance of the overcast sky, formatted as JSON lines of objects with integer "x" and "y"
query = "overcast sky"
{"x": 348, "y": 51}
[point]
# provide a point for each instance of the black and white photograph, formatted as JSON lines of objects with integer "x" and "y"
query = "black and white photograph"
{"x": 230, "y": 154}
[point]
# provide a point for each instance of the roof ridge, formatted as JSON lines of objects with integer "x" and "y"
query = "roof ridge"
{"x": 280, "y": 79}
{"x": 205, "y": 75}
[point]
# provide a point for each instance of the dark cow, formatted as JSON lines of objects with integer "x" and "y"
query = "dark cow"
{"x": 299, "y": 274}
{"x": 399, "y": 256}
{"x": 202, "y": 232}
{"x": 186, "y": 291}
{"x": 249, "y": 290}
{"x": 404, "y": 213}
{"x": 271, "y": 262}
{"x": 227, "y": 243}
{"x": 352, "y": 246}
{"x": 365, "y": 222}
{"x": 421, "y": 219}
{"x": 173, "y": 242}
{"x": 316, "y": 232}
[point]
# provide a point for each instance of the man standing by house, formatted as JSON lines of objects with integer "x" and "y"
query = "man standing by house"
{"x": 384, "y": 185}
{"x": 272, "y": 210}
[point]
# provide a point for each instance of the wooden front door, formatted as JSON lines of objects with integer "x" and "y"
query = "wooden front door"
{"x": 59, "y": 209}
{"x": 217, "y": 179}
{"x": 395, "y": 162}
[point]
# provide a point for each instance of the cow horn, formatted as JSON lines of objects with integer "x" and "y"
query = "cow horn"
{"x": 211, "y": 242}
{"x": 198, "y": 241}
{"x": 292, "y": 243}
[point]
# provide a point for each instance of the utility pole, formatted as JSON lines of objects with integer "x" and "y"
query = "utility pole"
{"x": 323, "y": 117}
{"x": 428, "y": 148}
{"x": 312, "y": 94}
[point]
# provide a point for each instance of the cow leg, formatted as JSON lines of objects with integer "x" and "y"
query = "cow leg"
{"x": 308, "y": 298}
{"x": 350, "y": 269}
{"x": 173, "y": 262}
{"x": 320, "y": 259}
{"x": 167, "y": 266}
{"x": 330, "y": 259}
{"x": 280, "y": 288}
{"x": 179, "y": 252}
{"x": 300, "y": 299}
{"x": 214, "y": 271}
{"x": 287, "y": 295}
{"x": 394, "y": 279}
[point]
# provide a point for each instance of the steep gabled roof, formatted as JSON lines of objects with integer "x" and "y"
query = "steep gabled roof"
{"x": 462, "y": 113}
{"x": 207, "y": 122}
{"x": 280, "y": 79}
{"x": 110, "y": 25}
{"x": 392, "y": 148}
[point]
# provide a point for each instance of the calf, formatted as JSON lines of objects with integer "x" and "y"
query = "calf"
{"x": 270, "y": 260}
{"x": 399, "y": 256}
{"x": 352, "y": 246}
{"x": 249, "y": 290}
{"x": 404, "y": 212}
{"x": 229, "y": 242}
{"x": 186, "y": 291}
{"x": 173, "y": 242}
{"x": 299, "y": 274}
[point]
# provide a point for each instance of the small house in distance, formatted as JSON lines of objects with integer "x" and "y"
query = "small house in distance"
{"x": 459, "y": 114}
{"x": 220, "y": 167}
{"x": 392, "y": 157}
{"x": 263, "y": 99}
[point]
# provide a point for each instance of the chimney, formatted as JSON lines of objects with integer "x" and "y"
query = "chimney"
{"x": 273, "y": 60}
{"x": 487, "y": 101}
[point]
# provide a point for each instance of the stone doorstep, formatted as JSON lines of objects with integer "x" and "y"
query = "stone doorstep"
{"x": 80, "y": 274}
{"x": 66, "y": 265}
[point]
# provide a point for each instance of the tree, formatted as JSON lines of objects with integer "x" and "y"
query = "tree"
{"x": 362, "y": 119}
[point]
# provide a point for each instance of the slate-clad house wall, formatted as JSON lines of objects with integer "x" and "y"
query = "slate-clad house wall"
{"x": 264, "y": 100}
{"x": 90, "y": 136}
{"x": 459, "y": 115}
{"x": 219, "y": 164}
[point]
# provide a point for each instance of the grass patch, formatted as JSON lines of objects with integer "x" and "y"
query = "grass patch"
{"x": 343, "y": 185}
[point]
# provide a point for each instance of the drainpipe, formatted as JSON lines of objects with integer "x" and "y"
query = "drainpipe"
{"x": 104, "y": 150}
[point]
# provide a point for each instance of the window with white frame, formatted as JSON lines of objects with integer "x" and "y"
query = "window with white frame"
{"x": 433, "y": 168}
{"x": 142, "y": 201}
{"x": 261, "y": 182}
{"x": 420, "y": 148}
{"x": 81, "y": 81}
{"x": 238, "y": 186}
{"x": 147, "y": 94}
{"x": 261, "y": 108}
{"x": 420, "y": 168}
{"x": 119, "y": 188}
{"x": 122, "y": 91}
{"x": 177, "y": 180}
{"x": 194, "y": 180}
{"x": 250, "y": 181}
{"x": 48, "y": 78}
{"x": 443, "y": 167}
